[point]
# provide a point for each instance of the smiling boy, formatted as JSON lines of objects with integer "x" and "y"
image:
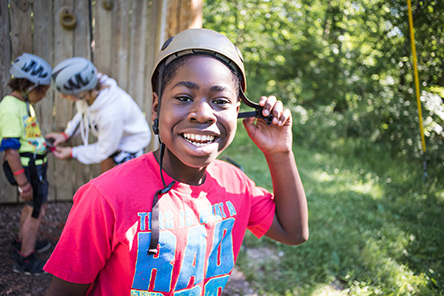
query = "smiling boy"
{"x": 172, "y": 221}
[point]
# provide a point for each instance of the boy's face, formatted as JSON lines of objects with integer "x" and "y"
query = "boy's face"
{"x": 198, "y": 114}
{"x": 75, "y": 97}
{"x": 37, "y": 94}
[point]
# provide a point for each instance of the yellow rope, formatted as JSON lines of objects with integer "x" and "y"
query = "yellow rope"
{"x": 415, "y": 69}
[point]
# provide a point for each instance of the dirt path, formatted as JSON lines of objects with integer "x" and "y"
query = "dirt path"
{"x": 24, "y": 285}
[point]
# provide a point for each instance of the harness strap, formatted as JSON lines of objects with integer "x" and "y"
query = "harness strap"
{"x": 32, "y": 155}
{"x": 35, "y": 182}
{"x": 39, "y": 159}
{"x": 35, "y": 179}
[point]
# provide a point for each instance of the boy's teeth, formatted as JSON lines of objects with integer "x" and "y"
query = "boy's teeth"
{"x": 198, "y": 140}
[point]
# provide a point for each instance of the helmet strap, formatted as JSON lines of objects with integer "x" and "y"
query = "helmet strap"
{"x": 154, "y": 241}
{"x": 26, "y": 98}
{"x": 156, "y": 126}
{"x": 30, "y": 88}
{"x": 93, "y": 95}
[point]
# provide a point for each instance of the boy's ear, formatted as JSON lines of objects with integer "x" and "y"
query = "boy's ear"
{"x": 155, "y": 107}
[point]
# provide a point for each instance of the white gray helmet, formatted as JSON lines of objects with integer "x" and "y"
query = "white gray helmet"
{"x": 32, "y": 68}
{"x": 74, "y": 75}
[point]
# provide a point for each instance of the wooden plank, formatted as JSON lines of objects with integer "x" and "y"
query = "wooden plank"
{"x": 157, "y": 35}
{"x": 5, "y": 48}
{"x": 21, "y": 39}
{"x": 7, "y": 192}
{"x": 64, "y": 176}
{"x": 137, "y": 57}
{"x": 43, "y": 43}
{"x": 82, "y": 36}
{"x": 121, "y": 33}
{"x": 151, "y": 48}
{"x": 82, "y": 47}
{"x": 103, "y": 36}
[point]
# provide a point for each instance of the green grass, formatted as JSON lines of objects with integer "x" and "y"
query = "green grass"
{"x": 376, "y": 228}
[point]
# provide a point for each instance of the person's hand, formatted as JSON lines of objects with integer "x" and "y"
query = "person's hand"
{"x": 276, "y": 137}
{"x": 63, "y": 152}
{"x": 26, "y": 191}
{"x": 58, "y": 138}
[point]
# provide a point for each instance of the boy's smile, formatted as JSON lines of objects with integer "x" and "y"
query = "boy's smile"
{"x": 198, "y": 116}
{"x": 198, "y": 140}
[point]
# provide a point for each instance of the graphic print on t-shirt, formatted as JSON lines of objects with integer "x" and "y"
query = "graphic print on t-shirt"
{"x": 195, "y": 252}
{"x": 33, "y": 134}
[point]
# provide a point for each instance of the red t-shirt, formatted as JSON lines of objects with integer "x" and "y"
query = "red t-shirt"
{"x": 107, "y": 234}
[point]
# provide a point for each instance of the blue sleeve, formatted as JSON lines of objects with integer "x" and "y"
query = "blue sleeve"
{"x": 10, "y": 143}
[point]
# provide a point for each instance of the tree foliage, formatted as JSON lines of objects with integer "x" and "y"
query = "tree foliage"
{"x": 344, "y": 67}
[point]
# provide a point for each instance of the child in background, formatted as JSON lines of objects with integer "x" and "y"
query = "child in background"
{"x": 25, "y": 155}
{"x": 172, "y": 221}
{"x": 105, "y": 110}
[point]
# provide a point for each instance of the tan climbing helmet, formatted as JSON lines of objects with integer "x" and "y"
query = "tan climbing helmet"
{"x": 200, "y": 41}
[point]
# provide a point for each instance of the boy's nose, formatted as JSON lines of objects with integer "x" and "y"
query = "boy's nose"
{"x": 202, "y": 112}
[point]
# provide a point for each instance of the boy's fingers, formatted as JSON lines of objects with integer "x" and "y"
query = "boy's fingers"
{"x": 277, "y": 112}
{"x": 285, "y": 117}
{"x": 262, "y": 100}
{"x": 268, "y": 104}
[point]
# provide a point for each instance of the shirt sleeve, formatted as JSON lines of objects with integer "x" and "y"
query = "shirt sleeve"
{"x": 72, "y": 128}
{"x": 262, "y": 210}
{"x": 110, "y": 134}
{"x": 10, "y": 143}
{"x": 86, "y": 240}
{"x": 11, "y": 125}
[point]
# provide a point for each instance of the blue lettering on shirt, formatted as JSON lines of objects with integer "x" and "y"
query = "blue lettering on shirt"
{"x": 146, "y": 264}
{"x": 196, "y": 291}
{"x": 194, "y": 259}
{"x": 154, "y": 272}
{"x": 221, "y": 260}
{"x": 142, "y": 220}
{"x": 231, "y": 209}
{"x": 215, "y": 286}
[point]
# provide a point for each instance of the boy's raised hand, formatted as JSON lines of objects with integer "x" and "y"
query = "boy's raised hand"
{"x": 276, "y": 137}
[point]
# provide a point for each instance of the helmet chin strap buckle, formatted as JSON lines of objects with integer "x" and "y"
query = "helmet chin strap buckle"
{"x": 257, "y": 113}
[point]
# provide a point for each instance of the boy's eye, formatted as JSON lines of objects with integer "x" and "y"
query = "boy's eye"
{"x": 183, "y": 98}
{"x": 221, "y": 101}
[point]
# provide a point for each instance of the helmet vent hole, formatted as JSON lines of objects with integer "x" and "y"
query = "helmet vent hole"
{"x": 165, "y": 45}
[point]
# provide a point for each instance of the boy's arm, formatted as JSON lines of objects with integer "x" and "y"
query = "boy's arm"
{"x": 61, "y": 287}
{"x": 290, "y": 224}
{"x": 13, "y": 157}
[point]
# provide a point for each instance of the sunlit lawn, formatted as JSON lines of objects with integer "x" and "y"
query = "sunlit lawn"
{"x": 375, "y": 228}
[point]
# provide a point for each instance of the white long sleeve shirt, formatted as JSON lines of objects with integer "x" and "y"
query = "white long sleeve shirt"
{"x": 115, "y": 119}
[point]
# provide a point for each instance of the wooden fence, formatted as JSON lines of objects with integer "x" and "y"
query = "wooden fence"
{"x": 121, "y": 37}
